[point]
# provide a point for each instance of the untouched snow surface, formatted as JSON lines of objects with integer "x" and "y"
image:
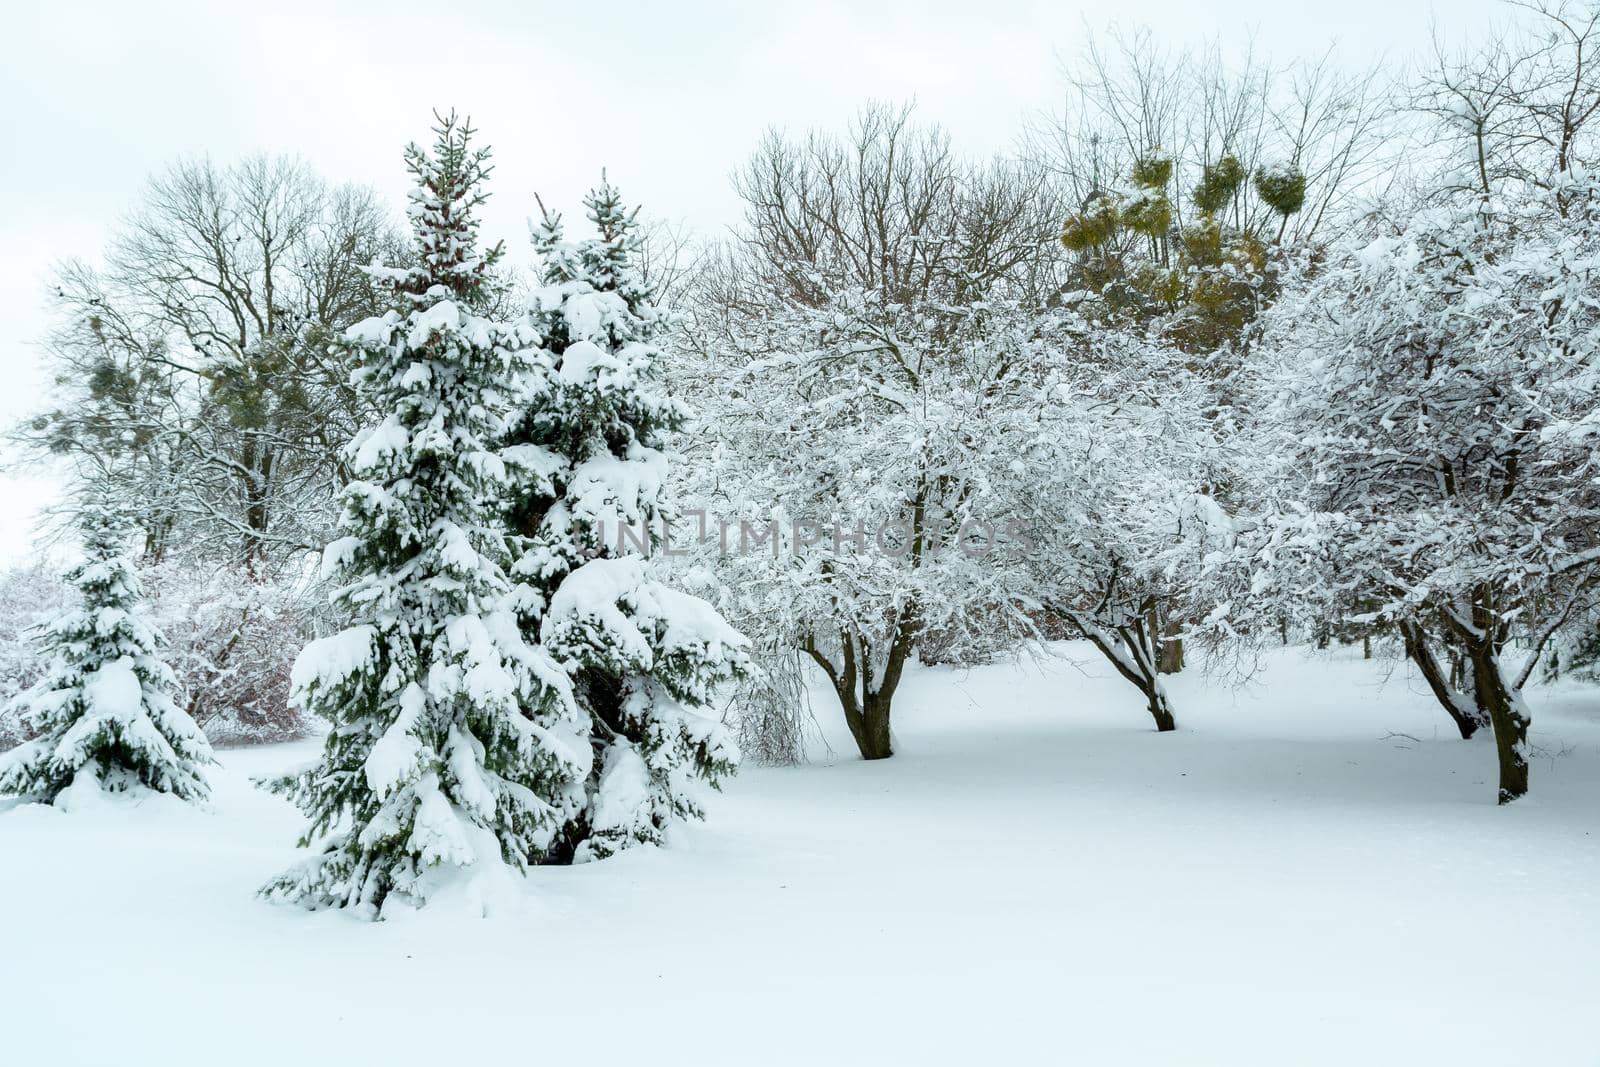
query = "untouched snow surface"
{"x": 1036, "y": 877}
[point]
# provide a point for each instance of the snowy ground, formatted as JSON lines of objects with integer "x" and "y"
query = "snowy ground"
{"x": 1036, "y": 877}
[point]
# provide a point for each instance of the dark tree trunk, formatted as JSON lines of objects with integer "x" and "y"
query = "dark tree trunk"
{"x": 1458, "y": 705}
{"x": 870, "y": 728}
{"x": 1506, "y": 715}
{"x": 1168, "y": 647}
{"x": 1460, "y": 678}
{"x": 867, "y": 708}
{"x": 1160, "y": 709}
{"x": 256, "y": 465}
{"x": 1171, "y": 648}
{"x": 1131, "y": 650}
{"x": 1500, "y": 699}
{"x": 866, "y": 716}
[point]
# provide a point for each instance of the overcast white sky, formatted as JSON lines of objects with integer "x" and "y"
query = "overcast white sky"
{"x": 669, "y": 97}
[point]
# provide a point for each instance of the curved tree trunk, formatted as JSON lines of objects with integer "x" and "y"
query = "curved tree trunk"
{"x": 867, "y": 716}
{"x": 1463, "y": 710}
{"x": 1160, "y": 708}
{"x": 872, "y": 735}
{"x": 867, "y": 701}
{"x": 1131, "y": 650}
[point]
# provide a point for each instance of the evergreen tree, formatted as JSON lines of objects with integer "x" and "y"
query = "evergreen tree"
{"x": 453, "y": 741}
{"x": 644, "y": 659}
{"x": 104, "y": 711}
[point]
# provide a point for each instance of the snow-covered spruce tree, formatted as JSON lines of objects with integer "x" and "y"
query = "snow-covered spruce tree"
{"x": 453, "y": 741}
{"x": 644, "y": 659}
{"x": 104, "y": 712}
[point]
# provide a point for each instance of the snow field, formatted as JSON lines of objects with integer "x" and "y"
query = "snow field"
{"x": 1036, "y": 876}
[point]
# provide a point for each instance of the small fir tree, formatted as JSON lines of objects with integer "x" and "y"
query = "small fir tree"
{"x": 644, "y": 659}
{"x": 453, "y": 741}
{"x": 104, "y": 711}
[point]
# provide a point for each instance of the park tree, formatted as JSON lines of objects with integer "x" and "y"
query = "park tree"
{"x": 644, "y": 659}
{"x": 105, "y": 715}
{"x": 1431, "y": 390}
{"x": 196, "y": 362}
{"x": 453, "y": 743}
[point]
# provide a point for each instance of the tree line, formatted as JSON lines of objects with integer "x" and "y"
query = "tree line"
{"x": 1222, "y": 354}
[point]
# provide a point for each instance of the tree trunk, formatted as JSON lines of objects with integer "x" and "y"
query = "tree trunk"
{"x": 256, "y": 467}
{"x": 1457, "y": 705}
{"x": 1459, "y": 678}
{"x": 1167, "y": 647}
{"x": 1171, "y": 648}
{"x": 866, "y": 709}
{"x": 868, "y": 719}
{"x": 1131, "y": 651}
{"x": 873, "y": 741}
{"x": 1160, "y": 707}
{"x": 1507, "y": 715}
{"x": 1501, "y": 700}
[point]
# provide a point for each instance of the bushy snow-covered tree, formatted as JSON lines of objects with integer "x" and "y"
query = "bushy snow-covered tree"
{"x": 948, "y": 456}
{"x": 1433, "y": 399}
{"x": 1126, "y": 456}
{"x": 197, "y": 355}
{"x": 103, "y": 715}
{"x": 644, "y": 659}
{"x": 1426, "y": 398}
{"x": 857, "y": 355}
{"x": 232, "y": 637}
{"x": 453, "y": 742}
{"x": 865, "y": 497}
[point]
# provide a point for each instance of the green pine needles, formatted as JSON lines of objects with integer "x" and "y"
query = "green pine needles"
{"x": 511, "y": 686}
{"x": 644, "y": 659}
{"x": 453, "y": 742}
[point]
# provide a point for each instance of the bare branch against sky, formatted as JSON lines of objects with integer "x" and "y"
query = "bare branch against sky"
{"x": 98, "y": 95}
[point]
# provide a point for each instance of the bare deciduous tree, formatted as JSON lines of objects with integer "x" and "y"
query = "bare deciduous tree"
{"x": 1128, "y": 96}
{"x": 198, "y": 355}
{"x": 1520, "y": 107}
